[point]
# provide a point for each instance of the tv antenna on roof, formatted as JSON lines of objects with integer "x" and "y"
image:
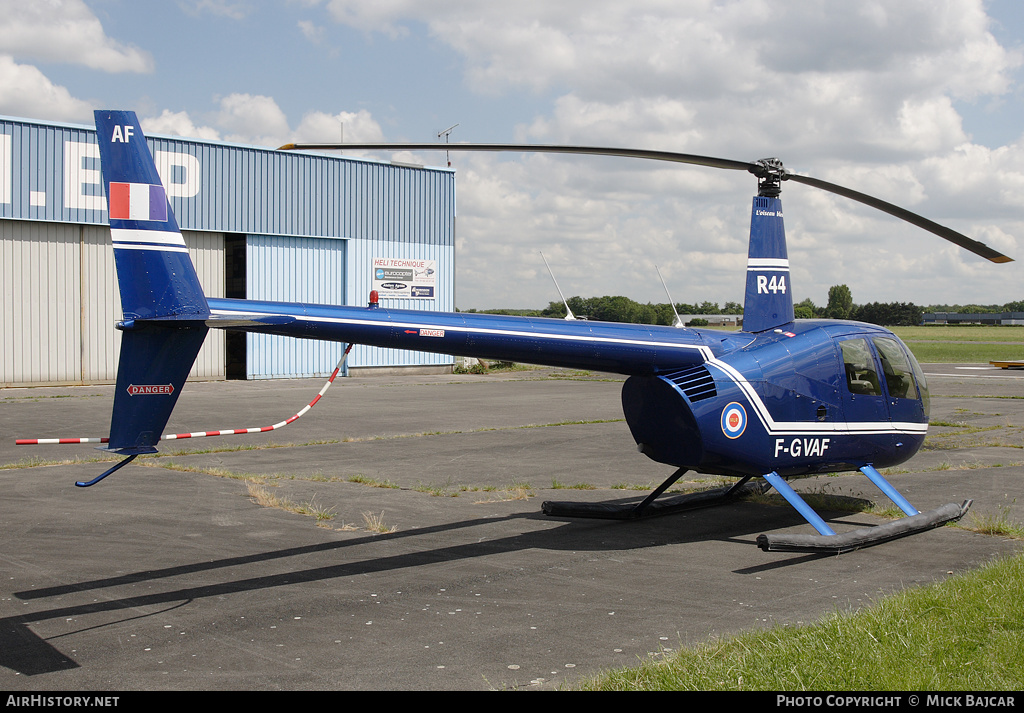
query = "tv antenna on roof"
{"x": 446, "y": 133}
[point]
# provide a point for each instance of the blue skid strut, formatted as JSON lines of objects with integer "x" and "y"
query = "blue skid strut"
{"x": 827, "y": 541}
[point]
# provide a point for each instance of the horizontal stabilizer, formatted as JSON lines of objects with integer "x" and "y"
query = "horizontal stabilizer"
{"x": 225, "y": 321}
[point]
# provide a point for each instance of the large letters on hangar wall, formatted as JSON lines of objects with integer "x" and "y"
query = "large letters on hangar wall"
{"x": 82, "y": 187}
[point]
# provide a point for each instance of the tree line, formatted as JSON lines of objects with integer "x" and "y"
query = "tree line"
{"x": 840, "y": 306}
{"x": 889, "y": 314}
{"x": 616, "y": 308}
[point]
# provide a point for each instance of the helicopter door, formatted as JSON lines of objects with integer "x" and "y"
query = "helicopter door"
{"x": 905, "y": 400}
{"x": 864, "y": 400}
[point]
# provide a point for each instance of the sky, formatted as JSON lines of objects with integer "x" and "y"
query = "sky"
{"x": 920, "y": 103}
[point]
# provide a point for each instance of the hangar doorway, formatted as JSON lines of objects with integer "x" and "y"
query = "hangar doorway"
{"x": 235, "y": 288}
{"x": 293, "y": 269}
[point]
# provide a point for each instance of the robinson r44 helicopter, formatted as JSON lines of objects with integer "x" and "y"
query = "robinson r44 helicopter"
{"x": 780, "y": 399}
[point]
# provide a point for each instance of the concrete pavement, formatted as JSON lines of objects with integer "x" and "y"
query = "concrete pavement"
{"x": 168, "y": 575}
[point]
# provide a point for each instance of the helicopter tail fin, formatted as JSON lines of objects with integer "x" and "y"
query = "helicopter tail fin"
{"x": 768, "y": 302}
{"x": 165, "y": 310}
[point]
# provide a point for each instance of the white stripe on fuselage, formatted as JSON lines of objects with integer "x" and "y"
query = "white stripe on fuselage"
{"x": 797, "y": 428}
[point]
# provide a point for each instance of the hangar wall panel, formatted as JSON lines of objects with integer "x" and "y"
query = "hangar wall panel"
{"x": 60, "y": 303}
{"x": 41, "y": 312}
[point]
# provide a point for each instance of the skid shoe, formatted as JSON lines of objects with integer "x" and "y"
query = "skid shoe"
{"x": 827, "y": 541}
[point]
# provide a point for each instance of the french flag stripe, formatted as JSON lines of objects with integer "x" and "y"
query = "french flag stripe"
{"x": 137, "y": 201}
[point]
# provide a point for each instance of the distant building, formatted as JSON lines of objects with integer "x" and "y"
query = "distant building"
{"x": 715, "y": 320}
{"x": 259, "y": 223}
{"x": 1003, "y": 318}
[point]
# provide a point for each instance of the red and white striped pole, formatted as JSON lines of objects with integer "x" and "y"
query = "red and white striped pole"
{"x": 202, "y": 434}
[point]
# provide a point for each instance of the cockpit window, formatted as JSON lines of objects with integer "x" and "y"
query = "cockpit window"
{"x": 896, "y": 369}
{"x": 861, "y": 376}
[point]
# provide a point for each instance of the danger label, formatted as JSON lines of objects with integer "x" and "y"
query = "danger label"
{"x": 150, "y": 389}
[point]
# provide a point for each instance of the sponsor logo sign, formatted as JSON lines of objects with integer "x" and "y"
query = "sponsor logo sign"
{"x": 401, "y": 278}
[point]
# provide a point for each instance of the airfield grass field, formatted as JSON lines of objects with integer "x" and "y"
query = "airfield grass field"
{"x": 953, "y": 344}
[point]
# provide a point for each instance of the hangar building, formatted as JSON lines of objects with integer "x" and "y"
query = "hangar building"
{"x": 259, "y": 223}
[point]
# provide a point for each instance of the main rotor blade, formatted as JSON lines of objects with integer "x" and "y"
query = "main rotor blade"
{"x": 903, "y": 214}
{"x": 541, "y": 148}
{"x": 760, "y": 169}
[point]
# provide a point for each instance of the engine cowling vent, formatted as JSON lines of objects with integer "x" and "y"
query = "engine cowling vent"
{"x": 695, "y": 381}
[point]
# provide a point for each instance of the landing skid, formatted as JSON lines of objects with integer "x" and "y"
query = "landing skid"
{"x": 650, "y": 507}
{"x": 826, "y": 541}
{"x": 865, "y": 536}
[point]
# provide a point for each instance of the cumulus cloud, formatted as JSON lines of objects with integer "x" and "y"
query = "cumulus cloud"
{"x": 25, "y": 91}
{"x": 867, "y": 95}
{"x": 178, "y": 123}
{"x": 319, "y": 127}
{"x": 862, "y": 94}
{"x": 311, "y": 31}
{"x": 65, "y": 31}
{"x": 255, "y": 119}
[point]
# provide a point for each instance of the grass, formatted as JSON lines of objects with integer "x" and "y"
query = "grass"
{"x": 963, "y": 634}
{"x": 997, "y": 523}
{"x": 961, "y": 334}
{"x": 965, "y": 345}
{"x": 264, "y": 497}
{"x": 964, "y": 352}
{"x": 375, "y": 523}
{"x": 558, "y": 485}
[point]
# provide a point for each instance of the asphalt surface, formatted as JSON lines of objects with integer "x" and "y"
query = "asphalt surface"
{"x": 168, "y": 575}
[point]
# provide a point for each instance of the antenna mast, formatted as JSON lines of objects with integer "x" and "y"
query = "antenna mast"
{"x": 447, "y": 133}
{"x": 678, "y": 322}
{"x": 569, "y": 316}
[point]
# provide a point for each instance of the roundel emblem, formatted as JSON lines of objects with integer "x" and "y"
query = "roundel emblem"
{"x": 734, "y": 420}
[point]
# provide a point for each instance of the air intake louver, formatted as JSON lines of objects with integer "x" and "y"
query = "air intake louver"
{"x": 695, "y": 381}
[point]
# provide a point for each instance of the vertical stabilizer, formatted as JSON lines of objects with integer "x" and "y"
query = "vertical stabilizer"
{"x": 155, "y": 275}
{"x": 769, "y": 300}
{"x": 161, "y": 298}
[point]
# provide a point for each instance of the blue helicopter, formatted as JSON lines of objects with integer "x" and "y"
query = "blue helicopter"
{"x": 780, "y": 399}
